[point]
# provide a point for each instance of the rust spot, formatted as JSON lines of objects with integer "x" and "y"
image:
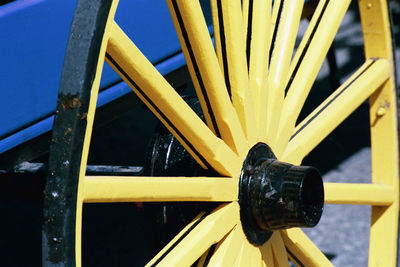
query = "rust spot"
{"x": 68, "y": 131}
{"x": 71, "y": 103}
{"x": 84, "y": 116}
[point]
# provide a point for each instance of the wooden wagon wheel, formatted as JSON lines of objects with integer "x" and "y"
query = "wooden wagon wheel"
{"x": 251, "y": 92}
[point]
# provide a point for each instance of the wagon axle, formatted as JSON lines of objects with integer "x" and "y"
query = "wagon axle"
{"x": 274, "y": 195}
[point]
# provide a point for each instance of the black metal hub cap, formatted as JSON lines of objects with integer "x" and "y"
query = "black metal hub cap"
{"x": 274, "y": 195}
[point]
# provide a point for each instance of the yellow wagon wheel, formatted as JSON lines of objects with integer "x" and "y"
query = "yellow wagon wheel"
{"x": 251, "y": 92}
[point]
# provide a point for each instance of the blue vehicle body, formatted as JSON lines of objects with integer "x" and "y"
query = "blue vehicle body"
{"x": 33, "y": 40}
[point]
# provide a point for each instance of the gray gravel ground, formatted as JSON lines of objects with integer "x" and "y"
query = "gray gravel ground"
{"x": 344, "y": 229}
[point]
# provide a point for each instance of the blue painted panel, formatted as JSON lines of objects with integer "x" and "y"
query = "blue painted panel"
{"x": 33, "y": 37}
{"x": 33, "y": 40}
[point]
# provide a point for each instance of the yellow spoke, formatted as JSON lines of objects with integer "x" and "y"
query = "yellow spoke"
{"x": 279, "y": 67}
{"x": 227, "y": 15}
{"x": 151, "y": 87}
{"x": 279, "y": 250}
{"x": 227, "y": 250}
{"x": 206, "y": 73}
{"x": 255, "y": 257}
{"x": 197, "y": 237}
{"x": 243, "y": 258}
{"x": 245, "y": 15}
{"x": 359, "y": 194}
{"x": 308, "y": 68}
{"x": 294, "y": 260}
{"x": 299, "y": 246}
{"x": 276, "y": 17}
{"x": 267, "y": 256}
{"x": 218, "y": 34}
{"x": 257, "y": 48}
{"x": 306, "y": 40}
{"x": 327, "y": 116}
{"x": 204, "y": 258}
{"x": 141, "y": 189}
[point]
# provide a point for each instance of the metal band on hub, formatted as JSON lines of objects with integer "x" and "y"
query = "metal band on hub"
{"x": 274, "y": 195}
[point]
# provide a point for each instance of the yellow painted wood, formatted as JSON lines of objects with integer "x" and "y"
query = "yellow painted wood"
{"x": 228, "y": 249}
{"x": 359, "y": 194}
{"x": 235, "y": 66}
{"x": 279, "y": 66}
{"x": 88, "y": 133}
{"x": 267, "y": 255}
{"x": 191, "y": 62}
{"x": 245, "y": 15}
{"x": 306, "y": 37}
{"x": 167, "y": 104}
{"x": 209, "y": 231}
{"x": 217, "y": 36}
{"x": 141, "y": 189}
{"x": 203, "y": 258}
{"x": 383, "y": 229}
{"x": 275, "y": 11}
{"x": 335, "y": 109}
{"x": 294, "y": 261}
{"x": 226, "y": 118}
{"x": 309, "y": 69}
{"x": 255, "y": 257}
{"x": 279, "y": 250}
{"x": 259, "y": 60}
{"x": 384, "y": 134}
{"x": 243, "y": 258}
{"x": 376, "y": 28}
{"x": 303, "y": 248}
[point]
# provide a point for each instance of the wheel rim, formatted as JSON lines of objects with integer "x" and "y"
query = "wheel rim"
{"x": 250, "y": 90}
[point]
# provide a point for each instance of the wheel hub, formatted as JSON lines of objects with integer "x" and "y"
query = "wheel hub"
{"x": 275, "y": 195}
